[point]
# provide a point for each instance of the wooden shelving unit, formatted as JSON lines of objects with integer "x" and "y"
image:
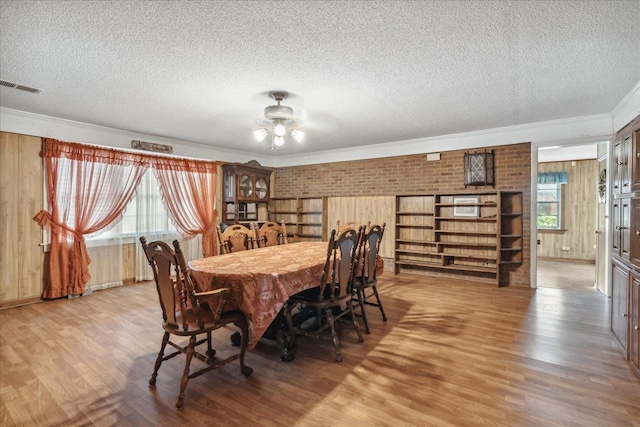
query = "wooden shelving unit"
{"x": 471, "y": 234}
{"x": 304, "y": 217}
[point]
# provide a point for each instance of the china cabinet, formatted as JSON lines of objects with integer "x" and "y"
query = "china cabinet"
{"x": 246, "y": 191}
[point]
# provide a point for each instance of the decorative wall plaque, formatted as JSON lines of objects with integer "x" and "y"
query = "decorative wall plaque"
{"x": 151, "y": 146}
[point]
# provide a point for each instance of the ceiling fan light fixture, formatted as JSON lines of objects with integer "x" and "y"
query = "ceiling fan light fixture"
{"x": 278, "y": 121}
{"x": 260, "y": 134}
{"x": 279, "y": 129}
{"x": 297, "y": 135}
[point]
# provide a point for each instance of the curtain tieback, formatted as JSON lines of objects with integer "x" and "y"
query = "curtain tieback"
{"x": 44, "y": 218}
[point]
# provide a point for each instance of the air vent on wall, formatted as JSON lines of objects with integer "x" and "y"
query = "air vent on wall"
{"x": 17, "y": 86}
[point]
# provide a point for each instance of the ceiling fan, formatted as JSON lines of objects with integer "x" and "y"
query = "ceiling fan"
{"x": 278, "y": 120}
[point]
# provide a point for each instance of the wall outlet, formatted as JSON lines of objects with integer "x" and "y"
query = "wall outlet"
{"x": 566, "y": 248}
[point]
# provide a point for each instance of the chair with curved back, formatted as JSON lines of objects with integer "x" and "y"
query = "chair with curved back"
{"x": 235, "y": 238}
{"x": 334, "y": 291}
{"x": 271, "y": 234}
{"x": 351, "y": 225}
{"x": 187, "y": 313}
{"x": 365, "y": 276}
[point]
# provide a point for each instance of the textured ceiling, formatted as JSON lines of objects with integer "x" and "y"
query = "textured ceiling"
{"x": 360, "y": 73}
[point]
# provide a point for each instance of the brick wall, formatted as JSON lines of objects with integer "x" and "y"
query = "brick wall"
{"x": 412, "y": 174}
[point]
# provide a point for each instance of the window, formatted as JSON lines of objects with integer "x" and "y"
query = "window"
{"x": 550, "y": 206}
{"x": 144, "y": 215}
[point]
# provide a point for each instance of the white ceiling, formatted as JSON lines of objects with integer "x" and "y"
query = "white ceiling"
{"x": 360, "y": 73}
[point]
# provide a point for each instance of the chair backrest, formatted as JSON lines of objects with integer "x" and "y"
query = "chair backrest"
{"x": 236, "y": 238}
{"x": 338, "y": 270}
{"x": 169, "y": 280}
{"x": 271, "y": 234}
{"x": 351, "y": 225}
{"x": 369, "y": 251}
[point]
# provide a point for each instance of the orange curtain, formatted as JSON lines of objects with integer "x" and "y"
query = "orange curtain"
{"x": 188, "y": 189}
{"x": 88, "y": 189}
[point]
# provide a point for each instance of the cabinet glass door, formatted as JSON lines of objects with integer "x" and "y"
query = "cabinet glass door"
{"x": 261, "y": 188}
{"x": 246, "y": 186}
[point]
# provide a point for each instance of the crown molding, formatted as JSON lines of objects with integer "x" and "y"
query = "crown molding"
{"x": 627, "y": 109}
{"x": 570, "y": 131}
{"x": 22, "y": 122}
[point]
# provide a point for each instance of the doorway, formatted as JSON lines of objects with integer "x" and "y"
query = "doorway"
{"x": 572, "y": 223}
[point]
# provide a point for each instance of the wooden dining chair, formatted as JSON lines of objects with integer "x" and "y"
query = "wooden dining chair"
{"x": 365, "y": 276}
{"x": 271, "y": 234}
{"x": 235, "y": 238}
{"x": 351, "y": 225}
{"x": 334, "y": 291}
{"x": 187, "y": 313}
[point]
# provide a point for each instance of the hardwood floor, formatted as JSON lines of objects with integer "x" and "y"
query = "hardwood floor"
{"x": 569, "y": 275}
{"x": 451, "y": 354}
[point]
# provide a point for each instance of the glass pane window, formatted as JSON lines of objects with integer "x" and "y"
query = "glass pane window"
{"x": 145, "y": 213}
{"x": 549, "y": 206}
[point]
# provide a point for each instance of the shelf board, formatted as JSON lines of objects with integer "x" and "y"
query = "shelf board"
{"x": 415, "y": 226}
{"x": 308, "y": 236}
{"x": 476, "y": 233}
{"x": 492, "y": 270}
{"x": 309, "y": 212}
{"x": 511, "y": 249}
{"x": 468, "y": 256}
{"x": 310, "y": 224}
{"x": 511, "y": 236}
{"x": 416, "y": 252}
{"x": 511, "y": 214}
{"x": 283, "y": 212}
{"x": 467, "y": 218}
{"x": 416, "y": 242}
{"x": 471, "y": 244}
{"x": 448, "y": 205}
{"x": 510, "y": 262}
{"x": 416, "y": 213}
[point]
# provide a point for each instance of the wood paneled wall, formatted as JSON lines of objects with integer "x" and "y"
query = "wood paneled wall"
{"x": 21, "y": 197}
{"x": 580, "y": 204}
{"x": 377, "y": 209}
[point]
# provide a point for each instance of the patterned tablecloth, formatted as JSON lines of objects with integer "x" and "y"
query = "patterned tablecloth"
{"x": 261, "y": 280}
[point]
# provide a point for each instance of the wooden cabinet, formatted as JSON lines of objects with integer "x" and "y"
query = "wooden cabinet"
{"x": 246, "y": 187}
{"x": 634, "y": 327}
{"x": 472, "y": 234}
{"x": 304, "y": 217}
{"x": 634, "y": 158}
{"x": 625, "y": 250}
{"x": 620, "y": 305}
{"x": 623, "y": 162}
{"x": 621, "y": 211}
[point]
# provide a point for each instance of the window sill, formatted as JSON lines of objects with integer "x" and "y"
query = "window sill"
{"x": 552, "y": 230}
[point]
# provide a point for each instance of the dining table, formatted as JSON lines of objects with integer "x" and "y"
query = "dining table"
{"x": 262, "y": 280}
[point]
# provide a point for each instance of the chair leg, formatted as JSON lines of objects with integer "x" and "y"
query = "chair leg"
{"x": 185, "y": 373}
{"x": 355, "y": 321}
{"x": 375, "y": 291}
{"x": 360, "y": 293}
{"x": 210, "y": 351}
{"x": 165, "y": 340}
{"x": 287, "y": 349}
{"x": 244, "y": 327}
{"x": 334, "y": 334}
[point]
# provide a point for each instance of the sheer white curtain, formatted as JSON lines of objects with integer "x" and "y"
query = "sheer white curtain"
{"x": 146, "y": 216}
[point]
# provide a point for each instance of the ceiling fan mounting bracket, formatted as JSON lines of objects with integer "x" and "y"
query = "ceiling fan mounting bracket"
{"x": 278, "y": 95}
